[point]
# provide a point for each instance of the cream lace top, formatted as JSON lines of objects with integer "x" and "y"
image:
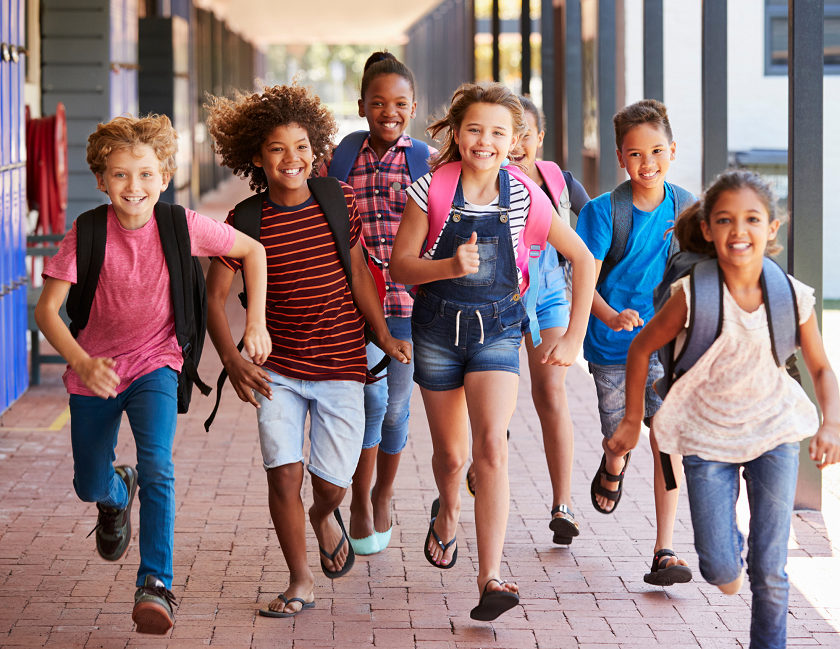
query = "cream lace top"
{"x": 735, "y": 403}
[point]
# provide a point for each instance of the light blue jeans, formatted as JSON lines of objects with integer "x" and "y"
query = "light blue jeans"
{"x": 152, "y": 408}
{"x": 712, "y": 492}
{"x": 387, "y": 401}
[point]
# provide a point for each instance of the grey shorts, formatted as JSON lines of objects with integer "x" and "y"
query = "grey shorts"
{"x": 609, "y": 382}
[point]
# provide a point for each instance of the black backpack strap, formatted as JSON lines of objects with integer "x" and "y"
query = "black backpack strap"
{"x": 668, "y": 471}
{"x": 329, "y": 195}
{"x": 782, "y": 311}
{"x": 621, "y": 210}
{"x": 91, "y": 238}
{"x": 247, "y": 218}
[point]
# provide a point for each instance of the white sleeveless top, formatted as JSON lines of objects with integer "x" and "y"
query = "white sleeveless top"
{"x": 736, "y": 404}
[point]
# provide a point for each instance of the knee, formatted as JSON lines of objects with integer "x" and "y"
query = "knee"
{"x": 492, "y": 454}
{"x": 733, "y": 587}
{"x": 327, "y": 491}
{"x": 549, "y": 397}
{"x": 450, "y": 461}
{"x": 283, "y": 479}
{"x": 155, "y": 473}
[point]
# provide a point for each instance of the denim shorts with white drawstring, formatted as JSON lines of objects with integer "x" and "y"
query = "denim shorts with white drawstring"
{"x": 452, "y": 339}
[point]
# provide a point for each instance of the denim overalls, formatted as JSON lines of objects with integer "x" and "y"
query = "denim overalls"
{"x": 470, "y": 323}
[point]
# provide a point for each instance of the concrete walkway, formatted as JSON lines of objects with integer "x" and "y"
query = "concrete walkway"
{"x": 55, "y": 590}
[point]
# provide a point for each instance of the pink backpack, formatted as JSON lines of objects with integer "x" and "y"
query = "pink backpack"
{"x": 554, "y": 180}
{"x": 531, "y": 241}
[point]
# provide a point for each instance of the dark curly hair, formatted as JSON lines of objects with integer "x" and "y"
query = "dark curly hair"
{"x": 241, "y": 125}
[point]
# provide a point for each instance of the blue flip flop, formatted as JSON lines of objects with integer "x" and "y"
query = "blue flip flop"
{"x": 351, "y": 555}
{"x": 267, "y": 612}
{"x": 443, "y": 546}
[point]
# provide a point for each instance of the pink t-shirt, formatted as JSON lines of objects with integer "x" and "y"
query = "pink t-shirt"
{"x": 132, "y": 320}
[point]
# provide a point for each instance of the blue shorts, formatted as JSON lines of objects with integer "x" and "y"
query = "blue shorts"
{"x": 609, "y": 383}
{"x": 337, "y": 426}
{"x": 447, "y": 345}
{"x": 553, "y": 306}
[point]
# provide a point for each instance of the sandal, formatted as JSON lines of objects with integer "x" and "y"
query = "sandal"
{"x": 471, "y": 484}
{"x": 565, "y": 527}
{"x": 597, "y": 490}
{"x": 351, "y": 555}
{"x": 662, "y": 576}
{"x": 267, "y": 612}
{"x": 491, "y": 605}
{"x": 443, "y": 546}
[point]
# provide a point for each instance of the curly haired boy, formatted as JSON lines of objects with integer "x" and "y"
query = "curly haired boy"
{"x": 127, "y": 358}
{"x": 316, "y": 316}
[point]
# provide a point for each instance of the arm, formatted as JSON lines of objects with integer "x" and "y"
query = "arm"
{"x": 366, "y": 298}
{"x": 244, "y": 375}
{"x": 628, "y": 319}
{"x": 252, "y": 254}
{"x": 407, "y": 267}
{"x": 664, "y": 327}
{"x": 96, "y": 373}
{"x": 825, "y": 445}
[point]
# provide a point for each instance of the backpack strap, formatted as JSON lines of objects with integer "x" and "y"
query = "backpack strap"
{"x": 558, "y": 186}
{"x": 782, "y": 311}
{"x": 704, "y": 324}
{"x": 91, "y": 238}
{"x": 345, "y": 154}
{"x": 682, "y": 199}
{"x": 247, "y": 218}
{"x": 621, "y": 209}
{"x": 441, "y": 192}
{"x": 329, "y": 195}
{"x": 416, "y": 158}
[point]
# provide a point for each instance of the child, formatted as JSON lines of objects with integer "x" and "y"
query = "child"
{"x": 548, "y": 382}
{"x": 467, "y": 316}
{"x": 379, "y": 175}
{"x": 316, "y": 317}
{"x": 735, "y": 407}
{"x": 624, "y": 302}
{"x": 127, "y": 358}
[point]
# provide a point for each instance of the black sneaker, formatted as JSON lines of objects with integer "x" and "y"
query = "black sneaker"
{"x": 153, "y": 604}
{"x": 113, "y": 527}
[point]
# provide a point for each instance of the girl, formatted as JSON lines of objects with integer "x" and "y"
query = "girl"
{"x": 548, "y": 382}
{"x": 467, "y": 315}
{"x": 735, "y": 407}
{"x": 379, "y": 174}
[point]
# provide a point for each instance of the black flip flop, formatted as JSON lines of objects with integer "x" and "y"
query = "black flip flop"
{"x": 351, "y": 555}
{"x": 443, "y": 546}
{"x": 659, "y": 576}
{"x": 267, "y": 612}
{"x": 491, "y": 605}
{"x": 597, "y": 490}
{"x": 565, "y": 528}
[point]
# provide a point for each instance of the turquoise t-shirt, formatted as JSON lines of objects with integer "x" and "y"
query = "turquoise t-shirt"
{"x": 630, "y": 284}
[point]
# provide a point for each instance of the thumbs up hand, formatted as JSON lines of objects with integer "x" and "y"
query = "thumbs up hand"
{"x": 466, "y": 257}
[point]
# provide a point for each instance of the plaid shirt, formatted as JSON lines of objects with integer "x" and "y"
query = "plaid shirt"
{"x": 380, "y": 197}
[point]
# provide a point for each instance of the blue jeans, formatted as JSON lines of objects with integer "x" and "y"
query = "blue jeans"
{"x": 387, "y": 401}
{"x": 152, "y": 408}
{"x": 712, "y": 493}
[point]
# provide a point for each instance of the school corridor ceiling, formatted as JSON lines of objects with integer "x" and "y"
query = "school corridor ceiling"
{"x": 319, "y": 21}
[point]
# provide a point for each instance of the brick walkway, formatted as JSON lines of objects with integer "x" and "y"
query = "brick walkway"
{"x": 55, "y": 590}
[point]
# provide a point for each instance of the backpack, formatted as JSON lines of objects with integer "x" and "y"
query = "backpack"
{"x": 186, "y": 278}
{"x": 621, "y": 212}
{"x": 705, "y": 323}
{"x": 557, "y": 183}
{"x": 531, "y": 241}
{"x": 328, "y": 193}
{"x": 347, "y": 151}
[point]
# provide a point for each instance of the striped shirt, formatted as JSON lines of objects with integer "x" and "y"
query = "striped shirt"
{"x": 317, "y": 333}
{"x": 520, "y": 205}
{"x": 380, "y": 195}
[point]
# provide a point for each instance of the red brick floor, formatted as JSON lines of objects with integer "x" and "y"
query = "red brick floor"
{"x": 55, "y": 591}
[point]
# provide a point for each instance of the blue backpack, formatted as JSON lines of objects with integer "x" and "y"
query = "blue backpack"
{"x": 347, "y": 151}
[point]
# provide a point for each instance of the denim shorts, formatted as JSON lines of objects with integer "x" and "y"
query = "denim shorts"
{"x": 337, "y": 426}
{"x": 609, "y": 383}
{"x": 451, "y": 339}
{"x": 553, "y": 308}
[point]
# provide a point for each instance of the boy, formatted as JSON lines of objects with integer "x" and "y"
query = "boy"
{"x": 127, "y": 358}
{"x": 623, "y": 302}
{"x": 318, "y": 362}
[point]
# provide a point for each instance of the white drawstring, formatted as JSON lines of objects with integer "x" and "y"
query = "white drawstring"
{"x": 480, "y": 324}
{"x": 457, "y": 327}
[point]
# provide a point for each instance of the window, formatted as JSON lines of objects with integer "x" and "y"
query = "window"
{"x": 776, "y": 37}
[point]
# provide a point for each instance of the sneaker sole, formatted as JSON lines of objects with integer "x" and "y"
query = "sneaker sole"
{"x": 151, "y": 618}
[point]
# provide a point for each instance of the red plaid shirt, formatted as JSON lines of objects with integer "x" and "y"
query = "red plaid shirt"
{"x": 380, "y": 197}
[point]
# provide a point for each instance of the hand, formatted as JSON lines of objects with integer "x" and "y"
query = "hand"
{"x": 563, "y": 351}
{"x": 627, "y": 320}
{"x": 98, "y": 376}
{"x": 825, "y": 446}
{"x": 624, "y": 439}
{"x": 257, "y": 343}
{"x": 246, "y": 377}
{"x": 466, "y": 257}
{"x": 399, "y": 350}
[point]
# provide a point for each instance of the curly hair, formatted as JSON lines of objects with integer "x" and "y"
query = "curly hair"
{"x": 647, "y": 111}
{"x": 241, "y": 125}
{"x": 127, "y": 132}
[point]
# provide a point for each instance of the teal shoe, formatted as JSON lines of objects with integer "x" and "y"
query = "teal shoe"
{"x": 384, "y": 538}
{"x": 369, "y": 544}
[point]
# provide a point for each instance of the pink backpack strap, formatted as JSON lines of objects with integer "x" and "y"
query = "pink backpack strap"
{"x": 533, "y": 238}
{"x": 441, "y": 192}
{"x": 553, "y": 177}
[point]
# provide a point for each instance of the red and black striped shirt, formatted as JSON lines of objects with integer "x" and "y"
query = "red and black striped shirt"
{"x": 317, "y": 333}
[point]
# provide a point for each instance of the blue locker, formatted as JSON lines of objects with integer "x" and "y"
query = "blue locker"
{"x": 17, "y": 227}
{"x": 5, "y": 337}
{"x": 5, "y": 85}
{"x": 8, "y": 279}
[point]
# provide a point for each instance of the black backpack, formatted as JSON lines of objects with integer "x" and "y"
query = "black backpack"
{"x": 328, "y": 193}
{"x": 705, "y": 323}
{"x": 186, "y": 277}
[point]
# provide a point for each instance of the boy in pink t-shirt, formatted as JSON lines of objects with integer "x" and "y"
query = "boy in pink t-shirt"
{"x": 127, "y": 358}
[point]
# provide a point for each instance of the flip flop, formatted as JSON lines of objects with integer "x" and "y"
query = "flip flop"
{"x": 443, "y": 546}
{"x": 491, "y": 605}
{"x": 596, "y": 489}
{"x": 659, "y": 576}
{"x": 351, "y": 555}
{"x": 267, "y": 612}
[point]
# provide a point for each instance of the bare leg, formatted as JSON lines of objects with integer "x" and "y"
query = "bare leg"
{"x": 666, "y": 501}
{"x": 327, "y": 497}
{"x": 361, "y": 510}
{"x": 387, "y": 465}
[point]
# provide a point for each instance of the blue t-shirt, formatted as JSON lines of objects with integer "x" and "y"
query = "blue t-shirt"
{"x": 630, "y": 284}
